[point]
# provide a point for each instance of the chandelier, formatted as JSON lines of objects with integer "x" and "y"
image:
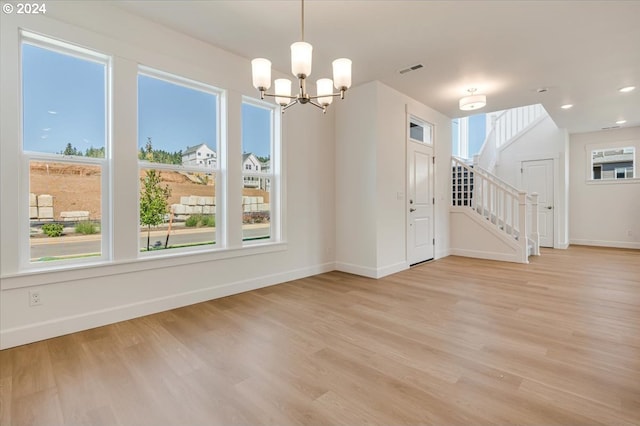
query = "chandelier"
{"x": 473, "y": 101}
{"x": 301, "y": 68}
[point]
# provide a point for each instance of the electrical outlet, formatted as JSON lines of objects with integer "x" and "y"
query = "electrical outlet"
{"x": 629, "y": 233}
{"x": 35, "y": 298}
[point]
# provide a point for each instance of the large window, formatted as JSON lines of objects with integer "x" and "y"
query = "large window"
{"x": 65, "y": 149}
{"x": 613, "y": 163}
{"x": 178, "y": 147}
{"x": 258, "y": 171}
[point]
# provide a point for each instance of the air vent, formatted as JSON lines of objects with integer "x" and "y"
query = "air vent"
{"x": 411, "y": 68}
{"x": 611, "y": 127}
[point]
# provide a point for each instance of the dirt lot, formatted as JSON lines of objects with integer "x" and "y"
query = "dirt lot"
{"x": 77, "y": 187}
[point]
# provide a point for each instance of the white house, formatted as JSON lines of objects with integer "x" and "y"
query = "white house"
{"x": 251, "y": 165}
{"x": 200, "y": 155}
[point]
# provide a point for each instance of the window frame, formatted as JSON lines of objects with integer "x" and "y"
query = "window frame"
{"x": 589, "y": 165}
{"x": 274, "y": 174}
{"x": 218, "y": 172}
{"x": 105, "y": 163}
{"x": 427, "y": 128}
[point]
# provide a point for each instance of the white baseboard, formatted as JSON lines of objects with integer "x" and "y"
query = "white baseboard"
{"x": 600, "y": 243}
{"x": 392, "y": 269}
{"x": 60, "y": 326}
{"x": 479, "y": 254}
{"x": 366, "y": 271}
{"x": 350, "y": 268}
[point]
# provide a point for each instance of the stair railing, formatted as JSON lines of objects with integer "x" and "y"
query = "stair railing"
{"x": 513, "y": 121}
{"x": 501, "y": 204}
{"x": 506, "y": 125}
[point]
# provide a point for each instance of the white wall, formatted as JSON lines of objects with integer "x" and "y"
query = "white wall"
{"x": 542, "y": 141}
{"x": 371, "y": 173}
{"x": 87, "y": 297}
{"x": 604, "y": 213}
{"x": 356, "y": 162}
{"x": 473, "y": 236}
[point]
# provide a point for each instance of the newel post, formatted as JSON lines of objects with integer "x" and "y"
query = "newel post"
{"x": 535, "y": 217}
{"x": 522, "y": 225}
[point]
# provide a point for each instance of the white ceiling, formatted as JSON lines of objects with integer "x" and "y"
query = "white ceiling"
{"x": 581, "y": 51}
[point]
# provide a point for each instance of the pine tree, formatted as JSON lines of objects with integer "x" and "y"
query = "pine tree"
{"x": 71, "y": 150}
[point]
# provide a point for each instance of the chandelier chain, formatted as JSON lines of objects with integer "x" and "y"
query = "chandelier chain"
{"x": 302, "y": 20}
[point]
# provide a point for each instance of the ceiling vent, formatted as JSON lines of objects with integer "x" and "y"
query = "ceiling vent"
{"x": 411, "y": 68}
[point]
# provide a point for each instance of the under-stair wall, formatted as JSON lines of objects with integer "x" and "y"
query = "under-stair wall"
{"x": 489, "y": 217}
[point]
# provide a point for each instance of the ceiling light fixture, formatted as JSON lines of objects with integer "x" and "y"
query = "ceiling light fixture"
{"x": 567, "y": 106}
{"x": 472, "y": 102}
{"x": 621, "y": 121}
{"x": 301, "y": 68}
{"x": 627, "y": 89}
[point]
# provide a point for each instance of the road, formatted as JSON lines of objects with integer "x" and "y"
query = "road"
{"x": 79, "y": 245}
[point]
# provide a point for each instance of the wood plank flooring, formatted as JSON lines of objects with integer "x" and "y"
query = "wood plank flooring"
{"x": 452, "y": 342}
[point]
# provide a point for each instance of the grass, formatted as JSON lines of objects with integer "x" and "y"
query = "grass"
{"x": 87, "y": 228}
{"x": 200, "y": 220}
{"x": 143, "y": 249}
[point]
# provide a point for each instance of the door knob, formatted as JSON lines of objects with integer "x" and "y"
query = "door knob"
{"x": 411, "y": 210}
{"x": 549, "y": 207}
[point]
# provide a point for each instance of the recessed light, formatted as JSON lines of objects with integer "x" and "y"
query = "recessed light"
{"x": 621, "y": 121}
{"x": 627, "y": 89}
{"x": 567, "y": 106}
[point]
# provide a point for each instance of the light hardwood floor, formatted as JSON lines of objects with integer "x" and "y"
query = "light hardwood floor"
{"x": 452, "y": 342}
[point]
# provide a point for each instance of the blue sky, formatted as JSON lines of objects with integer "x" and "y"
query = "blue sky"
{"x": 64, "y": 102}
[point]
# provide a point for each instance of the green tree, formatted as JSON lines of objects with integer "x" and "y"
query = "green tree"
{"x": 148, "y": 148}
{"x": 154, "y": 201}
{"x": 94, "y": 152}
{"x": 71, "y": 150}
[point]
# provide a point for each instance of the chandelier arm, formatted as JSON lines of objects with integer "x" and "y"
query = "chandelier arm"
{"x": 290, "y": 104}
{"x": 340, "y": 93}
{"x": 273, "y": 95}
{"x": 322, "y": 107}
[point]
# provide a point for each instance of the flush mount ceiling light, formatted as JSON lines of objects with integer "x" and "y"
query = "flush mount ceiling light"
{"x": 627, "y": 89}
{"x": 301, "y": 68}
{"x": 621, "y": 121}
{"x": 567, "y": 106}
{"x": 472, "y": 102}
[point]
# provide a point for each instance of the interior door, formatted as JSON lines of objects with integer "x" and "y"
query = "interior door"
{"x": 537, "y": 176}
{"x": 420, "y": 229}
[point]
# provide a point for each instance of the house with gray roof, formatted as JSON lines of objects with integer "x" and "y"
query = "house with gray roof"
{"x": 200, "y": 155}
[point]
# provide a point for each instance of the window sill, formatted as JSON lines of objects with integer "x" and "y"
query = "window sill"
{"x": 66, "y": 273}
{"x": 612, "y": 181}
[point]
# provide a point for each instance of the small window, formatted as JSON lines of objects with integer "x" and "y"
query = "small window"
{"x": 258, "y": 195}
{"x": 420, "y": 131}
{"x": 613, "y": 164}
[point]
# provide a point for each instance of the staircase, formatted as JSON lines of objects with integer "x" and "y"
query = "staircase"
{"x": 506, "y": 127}
{"x": 496, "y": 212}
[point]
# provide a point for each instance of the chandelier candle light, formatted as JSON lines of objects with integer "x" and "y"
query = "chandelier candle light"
{"x": 301, "y": 68}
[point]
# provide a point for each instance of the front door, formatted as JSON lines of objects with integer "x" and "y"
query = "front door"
{"x": 537, "y": 176}
{"x": 420, "y": 242}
